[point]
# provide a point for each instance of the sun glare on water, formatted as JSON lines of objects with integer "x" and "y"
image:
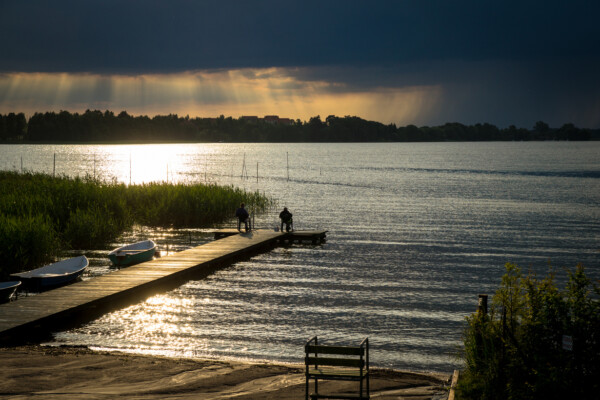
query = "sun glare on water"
{"x": 152, "y": 163}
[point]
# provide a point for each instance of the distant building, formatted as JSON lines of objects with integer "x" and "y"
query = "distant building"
{"x": 286, "y": 121}
{"x": 271, "y": 119}
{"x": 274, "y": 119}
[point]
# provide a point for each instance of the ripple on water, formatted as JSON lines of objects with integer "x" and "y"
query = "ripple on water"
{"x": 416, "y": 232}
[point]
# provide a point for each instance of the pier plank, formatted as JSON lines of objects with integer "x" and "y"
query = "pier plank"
{"x": 40, "y": 314}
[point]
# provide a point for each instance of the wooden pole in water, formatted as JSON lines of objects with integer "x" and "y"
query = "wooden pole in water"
{"x": 21, "y": 164}
{"x": 257, "y": 172}
{"x": 54, "y": 167}
{"x": 94, "y": 166}
{"x": 287, "y": 156}
{"x": 243, "y": 166}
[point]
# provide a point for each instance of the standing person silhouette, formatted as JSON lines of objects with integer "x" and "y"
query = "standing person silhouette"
{"x": 242, "y": 216}
{"x": 286, "y": 218}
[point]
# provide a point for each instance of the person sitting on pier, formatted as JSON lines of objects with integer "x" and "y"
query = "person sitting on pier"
{"x": 242, "y": 216}
{"x": 286, "y": 218}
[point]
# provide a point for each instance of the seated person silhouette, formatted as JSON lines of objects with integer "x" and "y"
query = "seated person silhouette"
{"x": 242, "y": 216}
{"x": 286, "y": 218}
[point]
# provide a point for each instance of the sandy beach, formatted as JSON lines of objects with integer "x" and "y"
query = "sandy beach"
{"x": 80, "y": 373}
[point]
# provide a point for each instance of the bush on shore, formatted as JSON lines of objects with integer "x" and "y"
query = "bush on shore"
{"x": 516, "y": 350}
{"x": 40, "y": 215}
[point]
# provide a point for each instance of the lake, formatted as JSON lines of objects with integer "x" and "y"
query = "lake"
{"x": 416, "y": 232}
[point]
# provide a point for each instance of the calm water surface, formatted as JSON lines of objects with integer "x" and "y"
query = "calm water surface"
{"x": 416, "y": 232}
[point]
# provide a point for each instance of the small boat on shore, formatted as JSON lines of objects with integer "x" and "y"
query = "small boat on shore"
{"x": 133, "y": 253}
{"x": 53, "y": 275}
{"x": 7, "y": 290}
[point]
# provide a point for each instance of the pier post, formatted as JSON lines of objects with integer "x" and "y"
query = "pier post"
{"x": 482, "y": 308}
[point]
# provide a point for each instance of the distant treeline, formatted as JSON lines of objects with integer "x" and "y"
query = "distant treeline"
{"x": 98, "y": 126}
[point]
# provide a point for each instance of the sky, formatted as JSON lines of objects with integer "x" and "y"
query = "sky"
{"x": 421, "y": 62}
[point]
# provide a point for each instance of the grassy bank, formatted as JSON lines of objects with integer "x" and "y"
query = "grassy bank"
{"x": 41, "y": 216}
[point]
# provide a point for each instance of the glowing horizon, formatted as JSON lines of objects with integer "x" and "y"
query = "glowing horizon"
{"x": 235, "y": 93}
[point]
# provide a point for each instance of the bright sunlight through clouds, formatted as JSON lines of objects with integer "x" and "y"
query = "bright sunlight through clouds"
{"x": 212, "y": 93}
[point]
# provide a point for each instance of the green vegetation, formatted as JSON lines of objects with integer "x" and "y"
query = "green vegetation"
{"x": 97, "y": 126}
{"x": 516, "y": 351}
{"x": 40, "y": 216}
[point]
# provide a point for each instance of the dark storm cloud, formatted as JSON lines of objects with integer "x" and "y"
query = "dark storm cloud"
{"x": 171, "y": 36}
{"x": 503, "y": 62}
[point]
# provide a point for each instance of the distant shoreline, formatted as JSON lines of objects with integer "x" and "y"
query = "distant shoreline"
{"x": 221, "y": 142}
{"x": 107, "y": 127}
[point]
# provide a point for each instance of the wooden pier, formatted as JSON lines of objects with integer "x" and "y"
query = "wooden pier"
{"x": 34, "y": 318}
{"x": 315, "y": 237}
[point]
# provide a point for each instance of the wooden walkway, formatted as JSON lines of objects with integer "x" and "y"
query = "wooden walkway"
{"x": 315, "y": 237}
{"x": 33, "y": 318}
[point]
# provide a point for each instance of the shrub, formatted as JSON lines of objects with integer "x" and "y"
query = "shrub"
{"x": 516, "y": 352}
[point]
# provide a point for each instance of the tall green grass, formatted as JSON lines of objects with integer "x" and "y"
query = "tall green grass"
{"x": 41, "y": 216}
{"x": 181, "y": 205}
{"x": 25, "y": 241}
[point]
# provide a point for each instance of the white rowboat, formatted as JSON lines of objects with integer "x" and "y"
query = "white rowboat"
{"x": 52, "y": 275}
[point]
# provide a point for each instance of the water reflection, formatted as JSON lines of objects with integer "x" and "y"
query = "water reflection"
{"x": 416, "y": 232}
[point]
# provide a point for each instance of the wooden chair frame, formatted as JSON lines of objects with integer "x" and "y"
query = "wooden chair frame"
{"x": 345, "y": 363}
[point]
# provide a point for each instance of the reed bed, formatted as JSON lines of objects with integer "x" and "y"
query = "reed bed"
{"x": 42, "y": 216}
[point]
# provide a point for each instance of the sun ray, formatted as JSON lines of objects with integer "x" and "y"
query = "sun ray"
{"x": 211, "y": 93}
